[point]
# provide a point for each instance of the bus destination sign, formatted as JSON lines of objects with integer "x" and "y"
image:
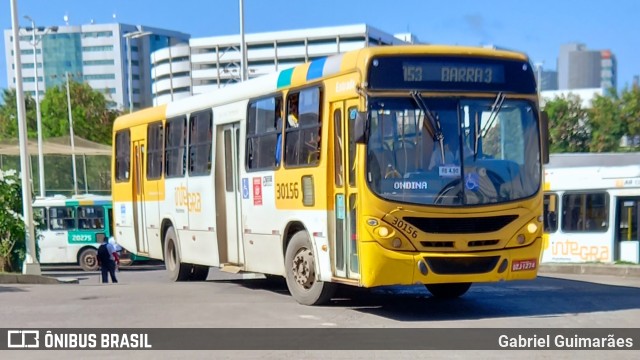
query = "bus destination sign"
{"x": 452, "y": 72}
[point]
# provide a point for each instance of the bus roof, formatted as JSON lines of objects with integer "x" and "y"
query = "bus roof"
{"x": 61, "y": 200}
{"x": 300, "y": 75}
{"x": 592, "y": 177}
{"x": 566, "y": 160}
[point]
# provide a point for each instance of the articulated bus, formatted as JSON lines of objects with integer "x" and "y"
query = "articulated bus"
{"x": 592, "y": 214}
{"x": 72, "y": 229}
{"x": 347, "y": 169}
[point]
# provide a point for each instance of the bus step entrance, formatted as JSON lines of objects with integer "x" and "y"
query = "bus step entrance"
{"x": 231, "y": 268}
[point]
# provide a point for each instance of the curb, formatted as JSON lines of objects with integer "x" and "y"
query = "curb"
{"x": 591, "y": 269}
{"x": 33, "y": 279}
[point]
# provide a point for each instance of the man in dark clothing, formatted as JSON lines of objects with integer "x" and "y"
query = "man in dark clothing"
{"x": 107, "y": 260}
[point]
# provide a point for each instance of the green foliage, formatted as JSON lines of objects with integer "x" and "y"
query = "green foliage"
{"x": 568, "y": 125}
{"x": 598, "y": 129}
{"x": 12, "y": 229}
{"x": 92, "y": 119}
{"x": 8, "y": 115}
{"x": 607, "y": 126}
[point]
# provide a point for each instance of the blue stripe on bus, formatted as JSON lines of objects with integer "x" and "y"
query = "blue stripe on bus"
{"x": 284, "y": 79}
{"x": 315, "y": 69}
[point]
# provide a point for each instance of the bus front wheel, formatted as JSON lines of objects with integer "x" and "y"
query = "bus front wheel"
{"x": 88, "y": 259}
{"x": 177, "y": 271}
{"x": 302, "y": 280}
{"x": 448, "y": 291}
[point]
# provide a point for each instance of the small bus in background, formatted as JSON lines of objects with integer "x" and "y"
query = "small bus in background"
{"x": 592, "y": 213}
{"x": 71, "y": 229}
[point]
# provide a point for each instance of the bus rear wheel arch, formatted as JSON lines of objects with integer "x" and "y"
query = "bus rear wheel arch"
{"x": 448, "y": 290}
{"x": 176, "y": 269}
{"x": 88, "y": 259}
{"x": 300, "y": 272}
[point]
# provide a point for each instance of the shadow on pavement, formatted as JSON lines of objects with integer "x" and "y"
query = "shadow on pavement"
{"x": 555, "y": 297}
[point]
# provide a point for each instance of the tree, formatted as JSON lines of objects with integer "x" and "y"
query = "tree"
{"x": 568, "y": 125}
{"x": 92, "y": 119}
{"x": 12, "y": 229}
{"x": 9, "y": 117}
{"x": 630, "y": 114}
{"x": 607, "y": 128}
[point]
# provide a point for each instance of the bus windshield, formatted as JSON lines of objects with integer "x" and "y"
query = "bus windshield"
{"x": 489, "y": 152}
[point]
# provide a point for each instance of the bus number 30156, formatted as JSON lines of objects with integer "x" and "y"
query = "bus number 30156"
{"x": 287, "y": 190}
{"x": 408, "y": 229}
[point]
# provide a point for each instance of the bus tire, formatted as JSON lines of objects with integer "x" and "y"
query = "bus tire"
{"x": 300, "y": 272}
{"x": 448, "y": 290}
{"x": 199, "y": 273}
{"x": 177, "y": 271}
{"x": 88, "y": 259}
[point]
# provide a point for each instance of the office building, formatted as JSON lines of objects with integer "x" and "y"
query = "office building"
{"x": 579, "y": 68}
{"x": 212, "y": 62}
{"x": 96, "y": 54}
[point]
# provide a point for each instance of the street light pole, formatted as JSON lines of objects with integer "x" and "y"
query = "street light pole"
{"x": 243, "y": 45}
{"x": 73, "y": 147}
{"x": 128, "y": 36}
{"x": 38, "y": 115}
{"x": 31, "y": 265}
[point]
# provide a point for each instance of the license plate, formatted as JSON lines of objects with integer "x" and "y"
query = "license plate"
{"x": 522, "y": 265}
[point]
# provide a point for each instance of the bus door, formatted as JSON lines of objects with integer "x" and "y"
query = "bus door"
{"x": 139, "y": 217}
{"x": 627, "y": 222}
{"x": 345, "y": 194}
{"x": 229, "y": 198}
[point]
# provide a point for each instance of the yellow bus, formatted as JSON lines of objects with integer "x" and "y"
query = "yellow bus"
{"x": 382, "y": 166}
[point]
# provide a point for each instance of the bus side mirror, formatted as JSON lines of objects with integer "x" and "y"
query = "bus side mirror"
{"x": 544, "y": 134}
{"x": 360, "y": 128}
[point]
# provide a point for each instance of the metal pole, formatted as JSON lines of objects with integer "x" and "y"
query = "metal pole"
{"x": 73, "y": 147}
{"x": 130, "y": 76}
{"x": 243, "y": 45}
{"x": 38, "y": 115}
{"x": 31, "y": 265}
{"x": 84, "y": 167}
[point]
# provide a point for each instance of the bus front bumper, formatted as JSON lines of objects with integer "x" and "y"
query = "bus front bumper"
{"x": 381, "y": 267}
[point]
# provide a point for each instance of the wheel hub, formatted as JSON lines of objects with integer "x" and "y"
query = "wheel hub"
{"x": 303, "y": 270}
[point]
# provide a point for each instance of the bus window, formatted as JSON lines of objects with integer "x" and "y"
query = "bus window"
{"x": 585, "y": 212}
{"x": 154, "y": 151}
{"x": 175, "y": 144}
{"x": 123, "y": 155}
{"x": 302, "y": 137}
{"x": 62, "y": 218}
{"x": 264, "y": 127}
{"x": 41, "y": 216}
{"x": 200, "y": 141}
{"x": 90, "y": 218}
{"x": 550, "y": 213}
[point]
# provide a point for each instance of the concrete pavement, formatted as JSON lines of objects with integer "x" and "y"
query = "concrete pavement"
{"x": 559, "y": 268}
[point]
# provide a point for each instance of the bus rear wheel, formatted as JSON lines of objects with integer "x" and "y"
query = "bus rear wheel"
{"x": 177, "y": 271}
{"x": 449, "y": 290}
{"x": 302, "y": 280}
{"x": 88, "y": 259}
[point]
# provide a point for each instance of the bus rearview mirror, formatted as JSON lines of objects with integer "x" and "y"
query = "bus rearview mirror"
{"x": 360, "y": 128}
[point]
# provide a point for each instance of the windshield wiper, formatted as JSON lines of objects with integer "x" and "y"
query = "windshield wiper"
{"x": 433, "y": 123}
{"x": 495, "y": 109}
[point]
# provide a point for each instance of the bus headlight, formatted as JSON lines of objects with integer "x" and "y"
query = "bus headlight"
{"x": 532, "y": 228}
{"x": 397, "y": 243}
{"x": 383, "y": 231}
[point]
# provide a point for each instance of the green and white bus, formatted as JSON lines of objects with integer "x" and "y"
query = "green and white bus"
{"x": 71, "y": 229}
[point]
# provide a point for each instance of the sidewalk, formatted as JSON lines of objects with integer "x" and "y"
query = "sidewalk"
{"x": 591, "y": 269}
{"x": 33, "y": 279}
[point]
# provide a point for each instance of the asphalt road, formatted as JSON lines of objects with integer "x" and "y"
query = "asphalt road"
{"x": 145, "y": 299}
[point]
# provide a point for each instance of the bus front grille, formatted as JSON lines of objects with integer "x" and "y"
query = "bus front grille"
{"x": 468, "y": 225}
{"x": 462, "y": 265}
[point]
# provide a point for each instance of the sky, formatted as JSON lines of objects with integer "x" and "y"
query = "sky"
{"x": 537, "y": 28}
